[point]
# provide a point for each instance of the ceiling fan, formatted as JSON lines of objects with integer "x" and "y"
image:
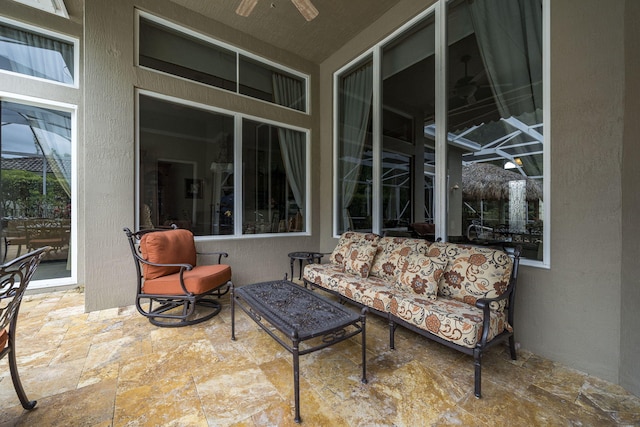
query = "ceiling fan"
{"x": 306, "y": 8}
{"x": 466, "y": 87}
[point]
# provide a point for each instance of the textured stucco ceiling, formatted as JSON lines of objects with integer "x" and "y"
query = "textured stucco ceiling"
{"x": 284, "y": 27}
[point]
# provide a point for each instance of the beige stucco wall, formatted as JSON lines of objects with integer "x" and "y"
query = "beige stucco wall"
{"x": 571, "y": 312}
{"x": 630, "y": 293}
{"x": 109, "y": 138}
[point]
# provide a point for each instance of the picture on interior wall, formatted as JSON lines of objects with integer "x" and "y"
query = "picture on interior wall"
{"x": 193, "y": 188}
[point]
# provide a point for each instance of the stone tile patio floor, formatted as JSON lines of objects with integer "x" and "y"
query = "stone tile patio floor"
{"x": 113, "y": 368}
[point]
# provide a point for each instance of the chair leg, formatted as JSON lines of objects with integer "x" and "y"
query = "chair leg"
{"x": 477, "y": 356}
{"x": 15, "y": 377}
{"x": 512, "y": 347}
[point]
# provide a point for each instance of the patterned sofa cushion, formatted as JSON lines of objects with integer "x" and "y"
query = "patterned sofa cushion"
{"x": 340, "y": 252}
{"x": 451, "y": 320}
{"x": 326, "y": 276}
{"x": 393, "y": 250}
{"x": 373, "y": 292}
{"x": 420, "y": 275}
{"x": 475, "y": 272}
{"x": 360, "y": 257}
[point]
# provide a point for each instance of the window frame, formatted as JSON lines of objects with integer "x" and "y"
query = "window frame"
{"x": 237, "y": 167}
{"x": 49, "y": 34}
{"x": 439, "y": 9}
{"x": 139, "y": 14}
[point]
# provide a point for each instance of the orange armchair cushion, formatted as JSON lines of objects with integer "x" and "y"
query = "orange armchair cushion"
{"x": 4, "y": 337}
{"x": 201, "y": 279}
{"x": 167, "y": 247}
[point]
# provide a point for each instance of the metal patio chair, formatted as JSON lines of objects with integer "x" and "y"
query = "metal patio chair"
{"x": 15, "y": 276}
{"x": 171, "y": 289}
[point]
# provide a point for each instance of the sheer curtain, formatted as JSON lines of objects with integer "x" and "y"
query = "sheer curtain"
{"x": 35, "y": 55}
{"x": 288, "y": 92}
{"x": 509, "y": 35}
{"x": 356, "y": 99}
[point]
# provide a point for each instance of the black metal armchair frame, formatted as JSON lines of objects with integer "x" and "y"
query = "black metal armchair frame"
{"x": 177, "y": 309}
{"x": 15, "y": 276}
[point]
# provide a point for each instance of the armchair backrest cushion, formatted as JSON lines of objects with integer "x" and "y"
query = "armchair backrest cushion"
{"x": 167, "y": 247}
{"x": 4, "y": 338}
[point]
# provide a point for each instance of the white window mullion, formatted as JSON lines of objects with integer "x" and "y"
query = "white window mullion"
{"x": 238, "y": 216}
{"x": 440, "y": 185}
{"x": 376, "y": 170}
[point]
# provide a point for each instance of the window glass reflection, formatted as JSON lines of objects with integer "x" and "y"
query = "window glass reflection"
{"x": 274, "y": 179}
{"x": 36, "y": 55}
{"x": 495, "y": 123}
{"x": 186, "y": 167}
{"x": 35, "y": 178}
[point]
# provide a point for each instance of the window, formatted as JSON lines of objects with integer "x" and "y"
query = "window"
{"x": 166, "y": 49}
{"x": 355, "y": 150}
{"x": 56, "y": 7}
{"x": 35, "y": 178}
{"x": 188, "y": 165}
{"x": 463, "y": 148}
{"x": 274, "y": 178}
{"x": 271, "y": 84}
{"x": 177, "y": 51}
{"x": 35, "y": 54}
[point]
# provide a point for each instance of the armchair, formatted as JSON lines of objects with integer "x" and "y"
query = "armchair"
{"x": 14, "y": 279}
{"x": 171, "y": 289}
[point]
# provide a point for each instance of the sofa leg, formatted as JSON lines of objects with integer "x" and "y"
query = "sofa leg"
{"x": 512, "y": 347}
{"x": 477, "y": 356}
{"x": 392, "y": 330}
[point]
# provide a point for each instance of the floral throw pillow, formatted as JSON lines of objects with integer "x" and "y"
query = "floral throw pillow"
{"x": 360, "y": 257}
{"x": 420, "y": 275}
{"x": 482, "y": 274}
{"x": 340, "y": 251}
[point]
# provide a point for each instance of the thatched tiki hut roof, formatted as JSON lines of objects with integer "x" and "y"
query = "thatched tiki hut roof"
{"x": 484, "y": 181}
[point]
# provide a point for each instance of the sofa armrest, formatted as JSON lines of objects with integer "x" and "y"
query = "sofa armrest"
{"x": 485, "y": 303}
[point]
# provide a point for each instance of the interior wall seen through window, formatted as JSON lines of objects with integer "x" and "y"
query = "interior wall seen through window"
{"x": 186, "y": 167}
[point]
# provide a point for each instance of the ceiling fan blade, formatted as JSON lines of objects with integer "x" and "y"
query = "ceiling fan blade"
{"x": 306, "y": 8}
{"x": 245, "y": 7}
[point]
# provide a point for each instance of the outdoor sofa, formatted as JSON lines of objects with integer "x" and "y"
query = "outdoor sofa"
{"x": 459, "y": 295}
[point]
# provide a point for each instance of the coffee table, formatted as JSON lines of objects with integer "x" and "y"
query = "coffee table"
{"x": 298, "y": 314}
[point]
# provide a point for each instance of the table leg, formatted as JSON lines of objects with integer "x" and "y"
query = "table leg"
{"x": 363, "y": 319}
{"x": 233, "y": 314}
{"x": 296, "y": 380}
{"x": 291, "y": 261}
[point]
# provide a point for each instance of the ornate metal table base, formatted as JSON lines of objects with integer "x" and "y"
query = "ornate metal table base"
{"x": 301, "y": 257}
{"x": 300, "y": 315}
